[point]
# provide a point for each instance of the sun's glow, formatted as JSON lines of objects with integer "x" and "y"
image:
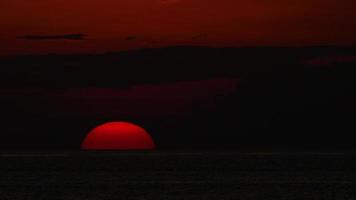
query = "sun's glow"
{"x": 118, "y": 136}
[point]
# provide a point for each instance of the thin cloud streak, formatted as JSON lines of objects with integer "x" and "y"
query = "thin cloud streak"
{"x": 54, "y": 37}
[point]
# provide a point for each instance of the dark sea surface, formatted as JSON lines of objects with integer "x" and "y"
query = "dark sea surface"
{"x": 176, "y": 175}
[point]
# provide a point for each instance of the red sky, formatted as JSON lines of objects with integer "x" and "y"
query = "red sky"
{"x": 157, "y": 23}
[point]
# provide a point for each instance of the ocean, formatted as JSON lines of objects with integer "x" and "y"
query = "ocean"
{"x": 183, "y": 174}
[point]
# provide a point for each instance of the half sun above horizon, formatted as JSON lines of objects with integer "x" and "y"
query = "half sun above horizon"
{"x": 118, "y": 136}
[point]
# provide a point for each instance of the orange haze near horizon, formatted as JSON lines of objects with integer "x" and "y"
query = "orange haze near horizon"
{"x": 114, "y": 25}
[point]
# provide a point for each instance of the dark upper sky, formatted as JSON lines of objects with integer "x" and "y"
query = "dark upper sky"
{"x": 156, "y": 23}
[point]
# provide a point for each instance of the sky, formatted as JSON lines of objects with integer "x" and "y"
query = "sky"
{"x": 114, "y": 25}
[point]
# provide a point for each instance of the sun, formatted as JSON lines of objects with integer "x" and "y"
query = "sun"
{"x": 118, "y": 136}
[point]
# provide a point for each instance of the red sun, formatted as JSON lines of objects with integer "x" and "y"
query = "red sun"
{"x": 118, "y": 136}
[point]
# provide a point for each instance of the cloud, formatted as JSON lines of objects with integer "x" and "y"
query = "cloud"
{"x": 130, "y": 38}
{"x": 329, "y": 61}
{"x": 54, "y": 37}
{"x": 169, "y": 1}
{"x": 199, "y": 36}
{"x": 156, "y": 100}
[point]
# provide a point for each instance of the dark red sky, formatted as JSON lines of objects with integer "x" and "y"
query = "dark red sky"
{"x": 156, "y": 23}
